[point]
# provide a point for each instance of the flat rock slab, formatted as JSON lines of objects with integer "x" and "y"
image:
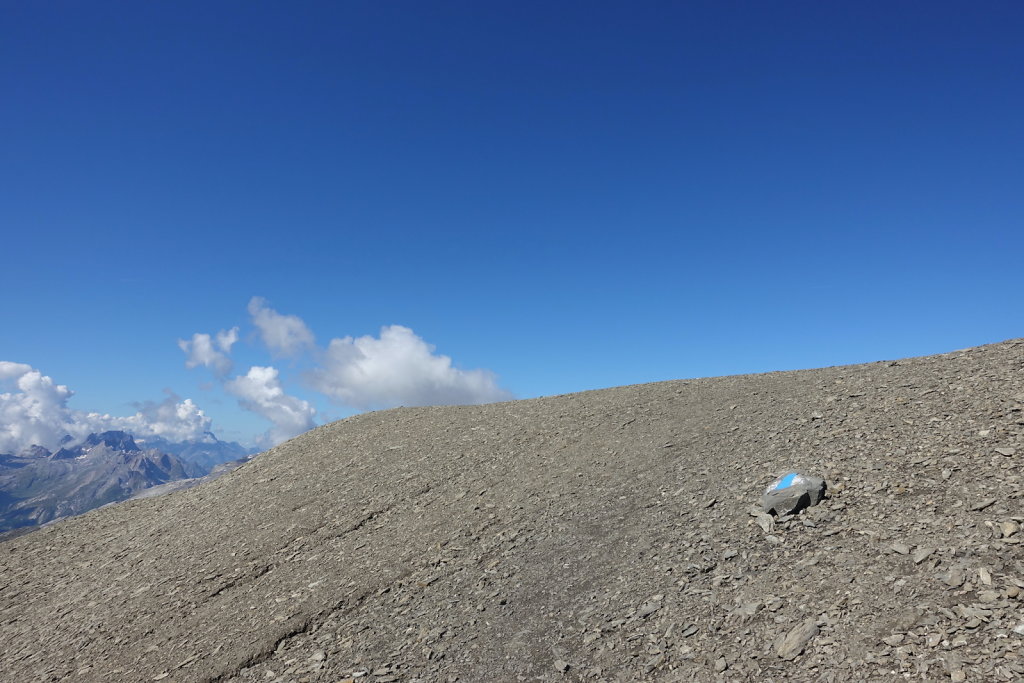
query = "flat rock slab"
{"x": 790, "y": 645}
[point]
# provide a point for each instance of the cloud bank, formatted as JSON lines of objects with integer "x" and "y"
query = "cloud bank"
{"x": 398, "y": 368}
{"x": 172, "y": 419}
{"x": 34, "y": 411}
{"x": 260, "y": 391}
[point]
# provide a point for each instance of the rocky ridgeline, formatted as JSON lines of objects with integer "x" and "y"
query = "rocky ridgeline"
{"x": 37, "y": 486}
{"x": 614, "y": 535}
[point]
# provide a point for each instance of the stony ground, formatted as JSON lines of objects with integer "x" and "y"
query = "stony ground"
{"x": 602, "y": 536}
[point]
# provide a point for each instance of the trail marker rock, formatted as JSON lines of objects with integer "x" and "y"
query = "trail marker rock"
{"x": 791, "y": 493}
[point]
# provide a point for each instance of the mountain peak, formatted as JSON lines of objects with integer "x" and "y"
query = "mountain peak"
{"x": 34, "y": 451}
{"x": 117, "y": 440}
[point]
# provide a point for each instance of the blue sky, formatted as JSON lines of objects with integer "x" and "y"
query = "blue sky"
{"x": 568, "y": 195}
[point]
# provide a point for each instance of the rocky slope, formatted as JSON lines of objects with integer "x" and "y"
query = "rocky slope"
{"x": 602, "y": 536}
{"x": 182, "y": 484}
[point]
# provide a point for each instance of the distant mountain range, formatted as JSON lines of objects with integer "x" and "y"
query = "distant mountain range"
{"x": 201, "y": 454}
{"x": 38, "y": 486}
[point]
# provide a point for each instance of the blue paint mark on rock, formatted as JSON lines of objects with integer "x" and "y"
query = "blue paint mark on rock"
{"x": 787, "y": 481}
{"x": 792, "y": 492}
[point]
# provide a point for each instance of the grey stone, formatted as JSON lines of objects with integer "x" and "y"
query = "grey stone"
{"x": 793, "y": 643}
{"x": 906, "y": 619}
{"x": 985, "y": 576}
{"x": 648, "y": 609}
{"x": 792, "y": 492}
{"x": 747, "y": 610}
{"x": 654, "y": 663}
{"x": 954, "y": 578}
{"x": 922, "y": 554}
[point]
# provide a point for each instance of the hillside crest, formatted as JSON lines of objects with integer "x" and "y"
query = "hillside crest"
{"x": 604, "y": 536}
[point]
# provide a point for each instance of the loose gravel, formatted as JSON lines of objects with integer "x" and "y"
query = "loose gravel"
{"x": 612, "y": 535}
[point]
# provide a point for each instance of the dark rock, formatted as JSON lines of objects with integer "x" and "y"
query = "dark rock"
{"x": 791, "y": 493}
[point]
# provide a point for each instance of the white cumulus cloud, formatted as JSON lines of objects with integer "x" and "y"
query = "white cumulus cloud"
{"x": 284, "y": 335}
{"x": 260, "y": 391}
{"x": 210, "y": 352}
{"x": 13, "y": 371}
{"x": 398, "y": 368}
{"x": 172, "y": 419}
{"x": 35, "y": 411}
